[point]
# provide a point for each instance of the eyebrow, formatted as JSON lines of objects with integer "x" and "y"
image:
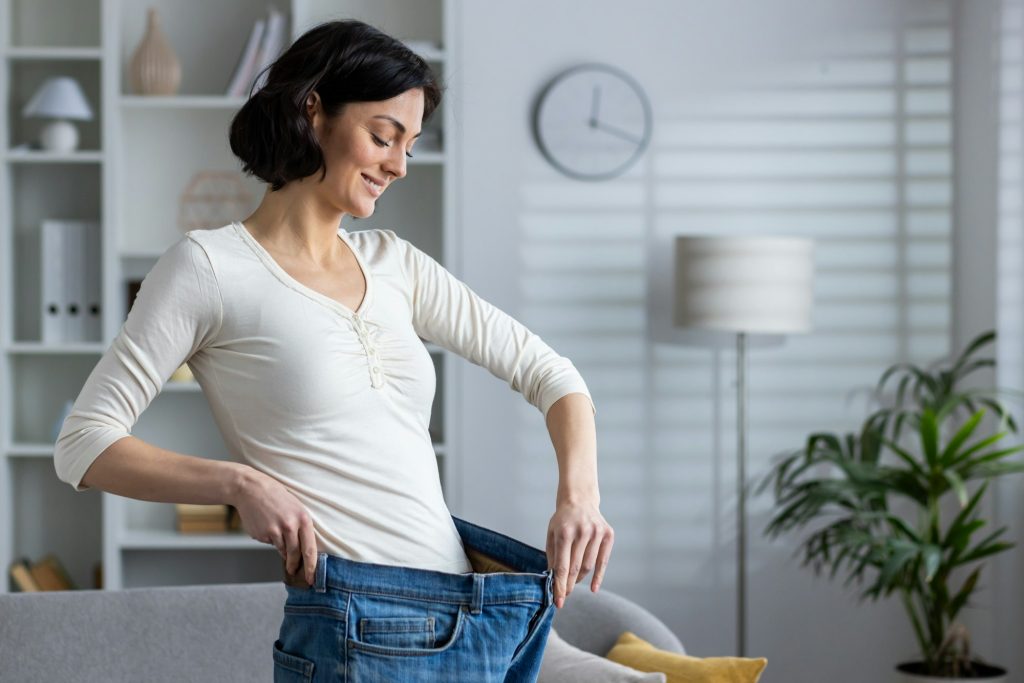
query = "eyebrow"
{"x": 398, "y": 124}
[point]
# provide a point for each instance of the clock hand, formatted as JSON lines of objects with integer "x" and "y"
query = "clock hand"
{"x": 593, "y": 107}
{"x": 615, "y": 131}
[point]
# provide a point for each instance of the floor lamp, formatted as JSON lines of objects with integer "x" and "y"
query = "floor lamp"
{"x": 743, "y": 285}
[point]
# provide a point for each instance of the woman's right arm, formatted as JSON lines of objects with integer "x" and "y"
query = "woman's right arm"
{"x": 177, "y": 312}
{"x": 132, "y": 468}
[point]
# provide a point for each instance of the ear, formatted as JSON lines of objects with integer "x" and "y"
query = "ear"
{"x": 313, "y": 106}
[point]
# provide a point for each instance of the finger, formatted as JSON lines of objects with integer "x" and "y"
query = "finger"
{"x": 309, "y": 550}
{"x": 294, "y": 552}
{"x": 549, "y": 549}
{"x": 590, "y": 557}
{"x": 563, "y": 548}
{"x": 602, "y": 558}
{"x": 579, "y": 546}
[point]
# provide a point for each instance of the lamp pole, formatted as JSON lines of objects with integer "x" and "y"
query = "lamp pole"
{"x": 741, "y": 479}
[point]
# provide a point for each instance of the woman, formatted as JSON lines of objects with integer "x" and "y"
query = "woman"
{"x": 306, "y": 340}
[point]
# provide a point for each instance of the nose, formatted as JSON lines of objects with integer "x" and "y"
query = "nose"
{"x": 395, "y": 164}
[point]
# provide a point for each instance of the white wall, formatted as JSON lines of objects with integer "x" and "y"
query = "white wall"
{"x": 582, "y": 263}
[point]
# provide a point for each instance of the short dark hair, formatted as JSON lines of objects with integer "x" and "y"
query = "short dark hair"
{"x": 343, "y": 61}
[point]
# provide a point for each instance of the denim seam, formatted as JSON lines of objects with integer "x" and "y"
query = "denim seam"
{"x": 401, "y": 596}
{"x": 531, "y": 633}
{"x": 301, "y": 610}
{"x": 348, "y": 611}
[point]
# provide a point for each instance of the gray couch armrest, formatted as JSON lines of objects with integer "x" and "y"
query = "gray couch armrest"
{"x": 594, "y": 621}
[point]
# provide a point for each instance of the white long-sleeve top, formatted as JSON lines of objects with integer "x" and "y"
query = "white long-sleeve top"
{"x": 333, "y": 403}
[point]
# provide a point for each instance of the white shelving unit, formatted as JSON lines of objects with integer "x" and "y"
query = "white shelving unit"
{"x": 134, "y": 160}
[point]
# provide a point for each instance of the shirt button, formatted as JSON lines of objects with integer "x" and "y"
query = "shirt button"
{"x": 375, "y": 370}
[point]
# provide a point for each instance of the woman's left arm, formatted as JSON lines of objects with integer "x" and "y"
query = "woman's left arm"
{"x": 579, "y": 539}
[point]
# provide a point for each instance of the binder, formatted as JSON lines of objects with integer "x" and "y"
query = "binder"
{"x": 92, "y": 311}
{"x": 82, "y": 281}
{"x": 74, "y": 282}
{"x": 51, "y": 286}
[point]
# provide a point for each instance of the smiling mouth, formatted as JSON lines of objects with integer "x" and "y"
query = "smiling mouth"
{"x": 374, "y": 189}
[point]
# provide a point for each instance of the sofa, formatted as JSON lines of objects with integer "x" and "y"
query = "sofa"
{"x": 222, "y": 632}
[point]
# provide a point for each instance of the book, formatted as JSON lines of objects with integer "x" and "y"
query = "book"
{"x": 48, "y": 574}
{"x": 50, "y": 560}
{"x": 270, "y": 48}
{"x": 22, "y": 576}
{"x": 244, "y": 70}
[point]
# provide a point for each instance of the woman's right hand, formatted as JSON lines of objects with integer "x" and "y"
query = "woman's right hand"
{"x": 270, "y": 513}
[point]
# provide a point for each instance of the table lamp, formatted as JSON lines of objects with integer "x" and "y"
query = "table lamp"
{"x": 743, "y": 285}
{"x": 62, "y": 99}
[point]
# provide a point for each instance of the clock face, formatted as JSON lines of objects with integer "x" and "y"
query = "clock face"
{"x": 592, "y": 122}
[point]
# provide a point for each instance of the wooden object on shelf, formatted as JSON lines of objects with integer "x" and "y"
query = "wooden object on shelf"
{"x": 48, "y": 574}
{"x": 212, "y": 199}
{"x": 155, "y": 68}
{"x": 195, "y": 518}
{"x": 21, "y": 574}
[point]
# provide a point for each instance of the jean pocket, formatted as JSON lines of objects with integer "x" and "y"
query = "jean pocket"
{"x": 390, "y": 625}
{"x": 290, "y": 667}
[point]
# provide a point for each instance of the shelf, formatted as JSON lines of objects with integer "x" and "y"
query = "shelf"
{"x": 163, "y": 540}
{"x": 53, "y": 53}
{"x": 29, "y": 450}
{"x": 37, "y": 348}
{"x": 41, "y": 157}
{"x": 182, "y": 102}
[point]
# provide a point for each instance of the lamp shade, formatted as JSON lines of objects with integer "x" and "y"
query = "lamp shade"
{"x": 744, "y": 284}
{"x": 59, "y": 97}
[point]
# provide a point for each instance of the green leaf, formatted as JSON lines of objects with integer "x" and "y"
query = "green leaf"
{"x": 960, "y": 599}
{"x": 960, "y": 437}
{"x": 932, "y": 560}
{"x": 977, "y": 447}
{"x": 906, "y": 457}
{"x": 957, "y": 484}
{"x": 929, "y": 432}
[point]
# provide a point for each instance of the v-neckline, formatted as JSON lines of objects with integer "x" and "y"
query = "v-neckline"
{"x": 287, "y": 279}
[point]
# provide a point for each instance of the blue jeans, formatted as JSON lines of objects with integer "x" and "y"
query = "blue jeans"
{"x": 373, "y": 623}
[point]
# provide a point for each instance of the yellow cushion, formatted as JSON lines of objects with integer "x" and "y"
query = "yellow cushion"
{"x": 633, "y": 651}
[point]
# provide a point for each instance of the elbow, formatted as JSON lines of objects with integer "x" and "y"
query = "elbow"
{"x": 63, "y": 464}
{"x": 77, "y": 448}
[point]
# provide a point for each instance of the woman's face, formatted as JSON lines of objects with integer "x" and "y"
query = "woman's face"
{"x": 367, "y": 141}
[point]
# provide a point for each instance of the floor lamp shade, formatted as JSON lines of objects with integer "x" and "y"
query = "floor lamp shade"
{"x": 744, "y": 284}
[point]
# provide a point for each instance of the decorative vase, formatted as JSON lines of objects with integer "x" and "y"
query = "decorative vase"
{"x": 989, "y": 674}
{"x": 154, "y": 68}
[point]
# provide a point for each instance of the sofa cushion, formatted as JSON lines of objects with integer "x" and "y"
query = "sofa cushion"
{"x": 633, "y": 651}
{"x": 565, "y": 663}
{"x": 222, "y": 632}
{"x": 593, "y": 622}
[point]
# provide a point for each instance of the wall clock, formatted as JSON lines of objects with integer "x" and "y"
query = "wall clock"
{"x": 592, "y": 121}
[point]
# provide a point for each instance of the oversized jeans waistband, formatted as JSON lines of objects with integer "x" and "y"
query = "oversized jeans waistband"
{"x": 508, "y": 570}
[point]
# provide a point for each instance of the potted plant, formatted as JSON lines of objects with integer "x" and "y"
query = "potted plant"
{"x": 878, "y": 498}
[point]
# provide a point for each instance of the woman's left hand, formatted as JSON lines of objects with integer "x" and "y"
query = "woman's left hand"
{"x": 579, "y": 539}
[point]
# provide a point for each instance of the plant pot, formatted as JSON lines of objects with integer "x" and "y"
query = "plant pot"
{"x": 909, "y": 672}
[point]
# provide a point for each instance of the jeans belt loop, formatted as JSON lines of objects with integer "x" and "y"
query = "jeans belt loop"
{"x": 478, "y": 593}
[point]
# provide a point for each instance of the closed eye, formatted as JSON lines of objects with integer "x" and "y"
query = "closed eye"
{"x": 381, "y": 143}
